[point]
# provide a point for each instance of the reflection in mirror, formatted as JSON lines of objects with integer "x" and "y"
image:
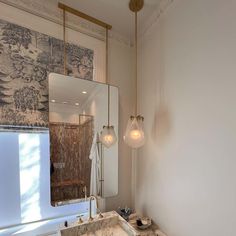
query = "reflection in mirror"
{"x": 80, "y": 164}
{"x": 67, "y": 145}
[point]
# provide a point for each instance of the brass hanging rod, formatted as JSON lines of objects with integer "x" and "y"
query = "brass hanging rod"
{"x": 84, "y": 16}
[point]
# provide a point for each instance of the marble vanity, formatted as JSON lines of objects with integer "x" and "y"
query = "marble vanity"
{"x": 111, "y": 224}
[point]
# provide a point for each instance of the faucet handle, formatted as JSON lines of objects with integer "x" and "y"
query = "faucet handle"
{"x": 80, "y": 220}
{"x": 100, "y": 215}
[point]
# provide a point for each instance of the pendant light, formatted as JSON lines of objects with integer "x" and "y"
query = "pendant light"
{"x": 134, "y": 134}
{"x": 108, "y": 136}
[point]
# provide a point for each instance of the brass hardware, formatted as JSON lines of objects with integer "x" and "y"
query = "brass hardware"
{"x": 80, "y": 220}
{"x": 101, "y": 154}
{"x": 107, "y": 80}
{"x": 139, "y": 117}
{"x": 64, "y": 40}
{"x": 84, "y": 16}
{"x": 136, "y": 62}
{"x": 100, "y": 215}
{"x": 109, "y": 126}
{"x": 136, "y": 5}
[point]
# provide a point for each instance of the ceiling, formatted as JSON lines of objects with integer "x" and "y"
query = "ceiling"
{"x": 115, "y": 12}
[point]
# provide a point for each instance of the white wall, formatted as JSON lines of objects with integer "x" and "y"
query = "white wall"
{"x": 121, "y": 75}
{"x": 186, "y": 178}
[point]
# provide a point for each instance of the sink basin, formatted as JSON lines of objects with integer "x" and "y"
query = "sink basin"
{"x": 110, "y": 225}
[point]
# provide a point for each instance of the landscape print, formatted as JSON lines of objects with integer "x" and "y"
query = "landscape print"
{"x": 26, "y": 59}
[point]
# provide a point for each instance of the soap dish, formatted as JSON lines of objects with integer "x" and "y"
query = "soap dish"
{"x": 143, "y": 223}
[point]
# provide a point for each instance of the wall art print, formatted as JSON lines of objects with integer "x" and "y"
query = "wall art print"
{"x": 26, "y": 59}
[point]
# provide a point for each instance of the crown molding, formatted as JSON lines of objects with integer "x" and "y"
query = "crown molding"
{"x": 50, "y": 11}
{"x": 161, "y": 8}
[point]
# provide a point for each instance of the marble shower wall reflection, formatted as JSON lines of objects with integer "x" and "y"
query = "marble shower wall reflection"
{"x": 70, "y": 146}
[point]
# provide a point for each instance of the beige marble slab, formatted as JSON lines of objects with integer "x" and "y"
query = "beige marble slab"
{"x": 110, "y": 225}
{"x": 109, "y": 231}
{"x": 153, "y": 230}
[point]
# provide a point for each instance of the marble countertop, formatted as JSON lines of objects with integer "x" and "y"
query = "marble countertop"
{"x": 153, "y": 230}
{"x": 110, "y": 225}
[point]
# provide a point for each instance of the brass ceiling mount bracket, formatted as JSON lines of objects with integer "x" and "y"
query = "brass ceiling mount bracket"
{"x": 136, "y": 5}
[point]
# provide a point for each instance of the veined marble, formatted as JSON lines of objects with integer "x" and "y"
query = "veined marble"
{"x": 109, "y": 231}
{"x": 153, "y": 230}
{"x": 110, "y": 225}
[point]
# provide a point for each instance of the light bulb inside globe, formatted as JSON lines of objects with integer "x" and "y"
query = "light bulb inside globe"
{"x": 134, "y": 134}
{"x": 108, "y": 136}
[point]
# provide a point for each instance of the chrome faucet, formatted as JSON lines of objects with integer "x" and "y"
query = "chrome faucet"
{"x": 92, "y": 197}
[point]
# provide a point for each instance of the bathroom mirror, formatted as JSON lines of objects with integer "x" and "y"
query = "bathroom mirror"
{"x": 80, "y": 165}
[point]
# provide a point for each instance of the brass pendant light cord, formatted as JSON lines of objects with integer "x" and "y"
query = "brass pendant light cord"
{"x": 136, "y": 63}
{"x": 64, "y": 40}
{"x": 135, "y": 6}
{"x": 107, "y": 80}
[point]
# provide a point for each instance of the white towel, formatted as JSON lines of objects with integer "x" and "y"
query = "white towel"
{"x": 95, "y": 168}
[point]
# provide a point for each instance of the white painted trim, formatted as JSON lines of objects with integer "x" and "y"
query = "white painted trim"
{"x": 49, "y": 11}
{"x": 162, "y": 7}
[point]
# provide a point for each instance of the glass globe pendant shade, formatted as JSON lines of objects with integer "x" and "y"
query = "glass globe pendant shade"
{"x": 134, "y": 134}
{"x": 108, "y": 136}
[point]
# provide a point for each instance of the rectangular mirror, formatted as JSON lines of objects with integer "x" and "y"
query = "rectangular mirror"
{"x": 80, "y": 164}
